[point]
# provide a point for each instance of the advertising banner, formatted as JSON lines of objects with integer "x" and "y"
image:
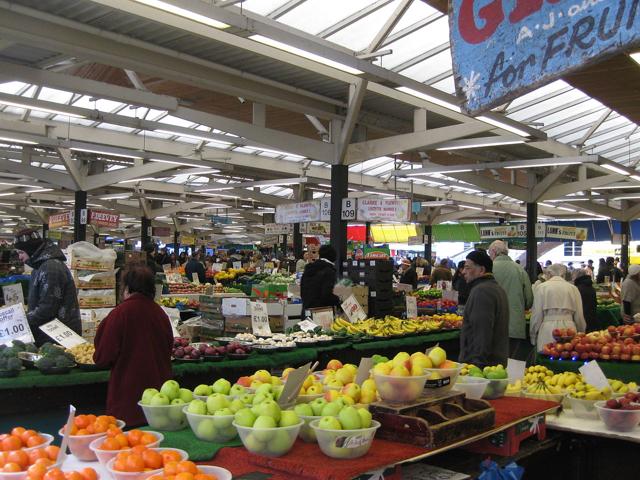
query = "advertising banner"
{"x": 566, "y": 233}
{"x": 187, "y": 239}
{"x": 104, "y": 218}
{"x": 316, "y": 228}
{"x": 61, "y": 219}
{"x": 298, "y": 212}
{"x": 384, "y": 209}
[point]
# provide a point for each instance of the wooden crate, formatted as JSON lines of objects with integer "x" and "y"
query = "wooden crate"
{"x": 432, "y": 422}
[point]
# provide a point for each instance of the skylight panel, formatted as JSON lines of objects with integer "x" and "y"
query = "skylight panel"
{"x": 314, "y": 16}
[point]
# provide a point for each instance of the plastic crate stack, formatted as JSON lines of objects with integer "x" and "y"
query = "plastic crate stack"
{"x": 378, "y": 276}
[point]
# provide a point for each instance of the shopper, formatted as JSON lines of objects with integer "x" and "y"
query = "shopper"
{"x": 195, "y": 266}
{"x": 182, "y": 258}
{"x": 460, "y": 284}
{"x": 441, "y": 272}
{"x": 630, "y": 295}
{"x": 151, "y": 261}
{"x": 609, "y": 270}
{"x": 408, "y": 274}
{"x": 556, "y": 304}
{"x": 135, "y": 342}
{"x": 484, "y": 338}
{"x": 515, "y": 281}
{"x": 318, "y": 280}
{"x": 300, "y": 264}
{"x": 52, "y": 292}
{"x": 590, "y": 269}
{"x": 583, "y": 282}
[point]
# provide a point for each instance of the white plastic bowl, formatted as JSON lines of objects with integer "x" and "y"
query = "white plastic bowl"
{"x": 22, "y": 475}
{"x": 345, "y": 443}
{"x": 448, "y": 377}
{"x": 271, "y": 442}
{"x": 218, "y": 472}
{"x": 47, "y": 441}
{"x": 79, "y": 444}
{"x": 105, "y": 455}
{"x": 308, "y": 398}
{"x": 167, "y": 418}
{"x": 473, "y": 387}
{"x": 582, "y": 408}
{"x": 399, "y": 389}
{"x": 211, "y": 428}
{"x": 496, "y": 388}
{"x": 117, "y": 475}
{"x": 307, "y": 434}
{"x": 617, "y": 419}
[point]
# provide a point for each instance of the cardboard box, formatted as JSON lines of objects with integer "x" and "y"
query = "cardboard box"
{"x": 268, "y": 290}
{"x": 243, "y": 324}
{"x": 235, "y": 307}
{"x": 94, "y": 280}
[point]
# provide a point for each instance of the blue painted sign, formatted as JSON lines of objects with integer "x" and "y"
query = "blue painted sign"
{"x": 502, "y": 49}
{"x": 218, "y": 220}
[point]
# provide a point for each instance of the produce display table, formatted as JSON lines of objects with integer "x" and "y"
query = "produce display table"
{"x": 625, "y": 371}
{"x": 568, "y": 422}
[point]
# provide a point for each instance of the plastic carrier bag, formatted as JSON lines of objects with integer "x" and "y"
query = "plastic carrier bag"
{"x": 491, "y": 471}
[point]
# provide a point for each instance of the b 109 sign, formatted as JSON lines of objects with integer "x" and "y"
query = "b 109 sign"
{"x": 502, "y": 49}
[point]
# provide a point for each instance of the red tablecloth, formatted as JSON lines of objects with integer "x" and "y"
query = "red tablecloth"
{"x": 306, "y": 461}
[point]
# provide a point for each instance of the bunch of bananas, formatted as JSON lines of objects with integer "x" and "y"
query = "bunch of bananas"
{"x": 384, "y": 327}
{"x": 564, "y": 379}
{"x": 536, "y": 373}
{"x": 514, "y": 388}
{"x": 618, "y": 386}
{"x": 542, "y": 388}
{"x": 585, "y": 391}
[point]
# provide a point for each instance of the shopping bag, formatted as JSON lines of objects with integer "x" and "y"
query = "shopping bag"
{"x": 491, "y": 471}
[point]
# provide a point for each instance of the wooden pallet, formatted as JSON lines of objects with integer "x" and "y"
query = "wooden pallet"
{"x": 433, "y": 421}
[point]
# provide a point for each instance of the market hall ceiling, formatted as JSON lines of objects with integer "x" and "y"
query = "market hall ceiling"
{"x": 225, "y": 84}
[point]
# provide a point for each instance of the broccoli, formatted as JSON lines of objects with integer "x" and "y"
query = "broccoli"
{"x": 31, "y": 348}
{"x": 19, "y": 345}
{"x": 46, "y": 362}
{"x": 14, "y": 364}
{"x": 10, "y": 352}
{"x": 3, "y": 363}
{"x": 63, "y": 361}
{"x": 47, "y": 347}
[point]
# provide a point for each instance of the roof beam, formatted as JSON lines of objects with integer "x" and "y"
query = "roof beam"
{"x": 483, "y": 181}
{"x": 598, "y": 209}
{"x": 565, "y": 189}
{"x": 94, "y": 182}
{"x": 388, "y": 26}
{"x": 546, "y": 183}
{"x": 353, "y": 18}
{"x": 72, "y": 167}
{"x": 46, "y": 175}
{"x": 357, "y": 91}
{"x": 170, "y": 210}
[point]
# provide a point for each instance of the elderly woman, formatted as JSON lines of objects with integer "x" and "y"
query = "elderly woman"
{"x": 584, "y": 283}
{"x": 556, "y": 304}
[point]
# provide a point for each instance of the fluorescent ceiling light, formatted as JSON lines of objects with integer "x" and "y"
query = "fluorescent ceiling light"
{"x": 452, "y": 170}
{"x": 567, "y": 209}
{"x": 305, "y": 54}
{"x": 205, "y": 172}
{"x": 379, "y": 193}
{"x": 495, "y": 211}
{"x": 133, "y": 180}
{"x": 504, "y": 126}
{"x": 546, "y": 205}
{"x": 176, "y": 162}
{"x": 481, "y": 145}
{"x": 636, "y": 57}
{"x": 40, "y": 190}
{"x": 437, "y": 203}
{"x": 636, "y": 177}
{"x": 192, "y": 135}
{"x": 102, "y": 152}
{"x": 6, "y": 194}
{"x": 183, "y": 12}
{"x": 164, "y": 199}
{"x": 628, "y": 197}
{"x": 469, "y": 206}
{"x": 429, "y": 98}
{"x": 41, "y": 109}
{"x": 614, "y": 168}
{"x": 19, "y": 185}
{"x": 17, "y": 140}
{"x": 616, "y": 187}
{"x": 111, "y": 197}
{"x": 545, "y": 164}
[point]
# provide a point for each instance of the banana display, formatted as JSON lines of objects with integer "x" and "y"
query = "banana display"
{"x": 385, "y": 327}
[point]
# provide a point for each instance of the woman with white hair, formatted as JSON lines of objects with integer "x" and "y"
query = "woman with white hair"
{"x": 556, "y": 304}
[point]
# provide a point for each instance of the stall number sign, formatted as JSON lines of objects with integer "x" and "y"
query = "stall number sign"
{"x": 260, "y": 319}
{"x": 353, "y": 310}
{"x": 62, "y": 334}
{"x": 14, "y": 325}
{"x": 348, "y": 211}
{"x": 12, "y": 294}
{"x": 412, "y": 306}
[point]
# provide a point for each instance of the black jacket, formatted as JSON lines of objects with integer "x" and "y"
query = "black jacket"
{"x": 194, "y": 266}
{"x": 410, "y": 277}
{"x": 52, "y": 292}
{"x": 589, "y": 302}
{"x": 460, "y": 285}
{"x": 316, "y": 286}
{"x": 613, "y": 272}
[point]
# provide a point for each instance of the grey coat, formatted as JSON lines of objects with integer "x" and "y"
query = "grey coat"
{"x": 52, "y": 292}
{"x": 484, "y": 338}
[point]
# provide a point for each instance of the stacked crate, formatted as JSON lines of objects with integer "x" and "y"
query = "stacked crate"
{"x": 211, "y": 313}
{"x": 377, "y": 275}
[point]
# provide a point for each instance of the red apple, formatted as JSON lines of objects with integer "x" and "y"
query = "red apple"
{"x": 615, "y": 357}
{"x": 628, "y": 341}
{"x": 570, "y": 332}
{"x": 611, "y": 329}
{"x": 595, "y": 355}
{"x": 568, "y": 346}
{"x": 635, "y": 350}
{"x": 584, "y": 356}
{"x": 565, "y": 354}
{"x": 556, "y": 332}
{"x": 596, "y": 347}
{"x": 616, "y": 349}
{"x": 626, "y": 350}
{"x": 581, "y": 348}
{"x": 604, "y": 356}
{"x": 625, "y": 357}
{"x": 605, "y": 350}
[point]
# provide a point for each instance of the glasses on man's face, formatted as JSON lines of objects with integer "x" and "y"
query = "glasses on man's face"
{"x": 469, "y": 267}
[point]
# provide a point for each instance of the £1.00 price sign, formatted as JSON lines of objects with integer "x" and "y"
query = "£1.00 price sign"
{"x": 14, "y": 325}
{"x": 62, "y": 334}
{"x": 260, "y": 319}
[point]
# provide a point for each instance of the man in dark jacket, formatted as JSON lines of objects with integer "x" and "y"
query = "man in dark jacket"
{"x": 52, "y": 292}
{"x": 484, "y": 338}
{"x": 318, "y": 280}
{"x": 194, "y": 265}
{"x": 582, "y": 280}
{"x": 409, "y": 275}
{"x": 609, "y": 270}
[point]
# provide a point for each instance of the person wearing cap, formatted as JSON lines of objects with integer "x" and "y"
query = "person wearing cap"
{"x": 630, "y": 295}
{"x": 484, "y": 337}
{"x": 52, "y": 292}
{"x": 556, "y": 304}
{"x": 318, "y": 280}
{"x": 409, "y": 275}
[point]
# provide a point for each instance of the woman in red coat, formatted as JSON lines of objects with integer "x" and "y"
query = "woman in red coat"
{"x": 135, "y": 341}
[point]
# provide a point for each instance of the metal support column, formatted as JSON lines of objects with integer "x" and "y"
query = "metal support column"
{"x": 176, "y": 245}
{"x": 45, "y": 230}
{"x": 532, "y": 242}
{"x": 428, "y": 244}
{"x": 339, "y": 190}
{"x": 96, "y": 237}
{"x": 297, "y": 241}
{"x": 80, "y": 217}
{"x": 625, "y": 233}
{"x": 283, "y": 247}
{"x": 145, "y": 231}
{"x": 367, "y": 233}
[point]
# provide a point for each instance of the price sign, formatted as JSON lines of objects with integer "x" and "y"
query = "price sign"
{"x": 195, "y": 278}
{"x": 260, "y": 319}
{"x": 293, "y": 385}
{"x": 13, "y": 294}
{"x": 237, "y": 265}
{"x": 307, "y": 326}
{"x": 258, "y": 270}
{"x": 174, "y": 278}
{"x": 593, "y": 375}
{"x": 412, "y": 306}
{"x": 62, "y": 334}
{"x": 366, "y": 364}
{"x": 323, "y": 317}
{"x": 348, "y": 211}
{"x": 14, "y": 325}
{"x": 515, "y": 369}
{"x": 352, "y": 309}
{"x": 62, "y": 455}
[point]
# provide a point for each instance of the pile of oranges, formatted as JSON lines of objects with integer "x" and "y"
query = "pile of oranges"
{"x": 116, "y": 440}
{"x": 184, "y": 470}
{"x": 91, "y": 424}
{"x": 19, "y": 438}
{"x": 34, "y": 462}
{"x": 57, "y": 474}
{"x": 142, "y": 459}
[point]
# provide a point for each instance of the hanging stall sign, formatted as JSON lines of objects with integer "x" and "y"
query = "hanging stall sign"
{"x": 384, "y": 209}
{"x": 566, "y": 233}
{"x": 316, "y": 228}
{"x": 501, "y": 50}
{"x": 298, "y": 212}
{"x": 161, "y": 231}
{"x": 61, "y": 219}
{"x": 325, "y": 209}
{"x": 500, "y": 231}
{"x": 417, "y": 240}
{"x": 218, "y": 220}
{"x": 104, "y": 218}
{"x": 278, "y": 228}
{"x": 187, "y": 239}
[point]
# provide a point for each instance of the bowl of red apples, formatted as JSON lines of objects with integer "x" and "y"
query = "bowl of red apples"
{"x": 620, "y": 414}
{"x": 563, "y": 335}
{"x": 238, "y": 351}
{"x": 183, "y": 351}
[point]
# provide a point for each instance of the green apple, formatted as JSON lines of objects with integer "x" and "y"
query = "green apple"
{"x": 304, "y": 409}
{"x": 247, "y": 398}
{"x": 206, "y": 430}
{"x": 244, "y": 417}
{"x": 222, "y": 386}
{"x": 171, "y": 389}
{"x": 317, "y": 405}
{"x": 202, "y": 390}
{"x": 159, "y": 399}
{"x": 350, "y": 419}
{"x": 186, "y": 395}
{"x": 264, "y": 388}
{"x": 253, "y": 444}
{"x": 237, "y": 390}
{"x": 329, "y": 423}
{"x": 264, "y": 422}
{"x": 223, "y": 418}
{"x": 255, "y": 384}
{"x": 228, "y": 433}
{"x": 261, "y": 397}
{"x": 176, "y": 415}
{"x": 269, "y": 408}
{"x": 331, "y": 409}
{"x": 178, "y": 401}
{"x": 365, "y": 417}
{"x": 277, "y": 391}
{"x": 289, "y": 418}
{"x": 236, "y": 404}
{"x": 276, "y": 381}
{"x": 217, "y": 401}
{"x": 335, "y": 383}
{"x": 198, "y": 407}
{"x": 280, "y": 443}
{"x": 315, "y": 389}
{"x": 262, "y": 376}
{"x": 147, "y": 395}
